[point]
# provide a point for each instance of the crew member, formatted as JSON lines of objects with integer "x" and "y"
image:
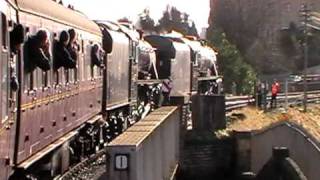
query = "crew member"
{"x": 275, "y": 88}
{"x": 166, "y": 89}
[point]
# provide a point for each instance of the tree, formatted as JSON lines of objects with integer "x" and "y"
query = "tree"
{"x": 173, "y": 19}
{"x": 231, "y": 63}
{"x": 193, "y": 30}
{"x": 146, "y": 22}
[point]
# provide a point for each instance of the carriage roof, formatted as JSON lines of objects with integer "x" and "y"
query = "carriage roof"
{"x": 57, "y": 12}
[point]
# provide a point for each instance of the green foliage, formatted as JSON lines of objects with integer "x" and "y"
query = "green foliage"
{"x": 173, "y": 19}
{"x": 147, "y": 23}
{"x": 232, "y": 64}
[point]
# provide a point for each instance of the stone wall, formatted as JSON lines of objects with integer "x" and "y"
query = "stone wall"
{"x": 256, "y": 148}
{"x": 204, "y": 157}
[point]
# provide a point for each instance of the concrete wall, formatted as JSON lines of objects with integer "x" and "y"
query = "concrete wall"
{"x": 303, "y": 150}
{"x": 152, "y": 146}
{"x": 208, "y": 112}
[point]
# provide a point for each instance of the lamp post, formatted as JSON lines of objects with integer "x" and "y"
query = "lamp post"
{"x": 305, "y": 13}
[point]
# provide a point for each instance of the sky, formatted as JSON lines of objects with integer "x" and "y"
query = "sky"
{"x": 116, "y": 9}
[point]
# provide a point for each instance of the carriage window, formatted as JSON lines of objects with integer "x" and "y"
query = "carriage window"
{"x": 131, "y": 49}
{"x": 88, "y": 63}
{"x": 80, "y": 68}
{"x": 37, "y": 82}
{"x": 71, "y": 75}
{"x": 4, "y": 30}
{"x": 26, "y": 82}
{"x": 82, "y": 46}
{"x": 56, "y": 77}
{"x": 63, "y": 77}
{"x": 45, "y": 79}
{"x": 75, "y": 74}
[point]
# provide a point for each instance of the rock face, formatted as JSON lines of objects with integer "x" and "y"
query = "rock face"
{"x": 255, "y": 27}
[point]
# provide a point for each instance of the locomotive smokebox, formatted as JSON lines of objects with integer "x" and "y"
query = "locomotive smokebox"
{"x": 208, "y": 112}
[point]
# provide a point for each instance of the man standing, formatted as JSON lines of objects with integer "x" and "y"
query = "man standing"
{"x": 275, "y": 88}
{"x": 166, "y": 89}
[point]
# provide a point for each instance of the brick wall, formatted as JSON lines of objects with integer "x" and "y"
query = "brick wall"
{"x": 203, "y": 158}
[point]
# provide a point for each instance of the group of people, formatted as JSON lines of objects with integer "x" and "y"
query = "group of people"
{"x": 37, "y": 51}
{"x": 262, "y": 91}
{"x": 65, "y": 51}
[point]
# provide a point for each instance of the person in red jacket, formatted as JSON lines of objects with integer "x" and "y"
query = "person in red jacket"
{"x": 275, "y": 88}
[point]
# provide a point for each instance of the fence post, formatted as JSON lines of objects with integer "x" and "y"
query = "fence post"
{"x": 286, "y": 94}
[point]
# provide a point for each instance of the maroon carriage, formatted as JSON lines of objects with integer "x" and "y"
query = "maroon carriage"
{"x": 54, "y": 101}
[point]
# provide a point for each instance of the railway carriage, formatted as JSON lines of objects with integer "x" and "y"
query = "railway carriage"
{"x": 49, "y": 103}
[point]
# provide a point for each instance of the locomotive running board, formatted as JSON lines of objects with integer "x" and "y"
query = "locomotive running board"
{"x": 116, "y": 106}
{"x": 149, "y": 82}
{"x": 94, "y": 119}
{"x": 27, "y": 163}
{"x": 208, "y": 78}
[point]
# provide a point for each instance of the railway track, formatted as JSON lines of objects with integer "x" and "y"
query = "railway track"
{"x": 91, "y": 168}
{"x": 294, "y": 98}
{"x": 94, "y": 166}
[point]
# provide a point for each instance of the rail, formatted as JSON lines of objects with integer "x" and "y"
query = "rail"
{"x": 294, "y": 98}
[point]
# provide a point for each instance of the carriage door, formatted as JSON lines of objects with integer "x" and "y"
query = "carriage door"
{"x": 4, "y": 69}
{"x": 4, "y": 89}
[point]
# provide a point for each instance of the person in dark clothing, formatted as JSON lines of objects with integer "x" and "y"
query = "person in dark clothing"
{"x": 96, "y": 56}
{"x": 73, "y": 46}
{"x": 62, "y": 57}
{"x": 166, "y": 89}
{"x": 259, "y": 94}
{"x": 16, "y": 38}
{"x": 36, "y": 52}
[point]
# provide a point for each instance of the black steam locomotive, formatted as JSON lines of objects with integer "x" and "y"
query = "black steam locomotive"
{"x": 70, "y": 85}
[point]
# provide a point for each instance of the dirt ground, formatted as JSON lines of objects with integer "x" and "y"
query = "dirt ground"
{"x": 250, "y": 118}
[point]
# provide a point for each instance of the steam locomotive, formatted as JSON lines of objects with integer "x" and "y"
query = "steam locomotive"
{"x": 70, "y": 85}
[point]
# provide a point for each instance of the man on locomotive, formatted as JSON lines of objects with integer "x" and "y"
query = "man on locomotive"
{"x": 97, "y": 56}
{"x": 166, "y": 89}
{"x": 36, "y": 52}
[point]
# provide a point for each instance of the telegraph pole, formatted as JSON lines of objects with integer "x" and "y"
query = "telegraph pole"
{"x": 305, "y": 13}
